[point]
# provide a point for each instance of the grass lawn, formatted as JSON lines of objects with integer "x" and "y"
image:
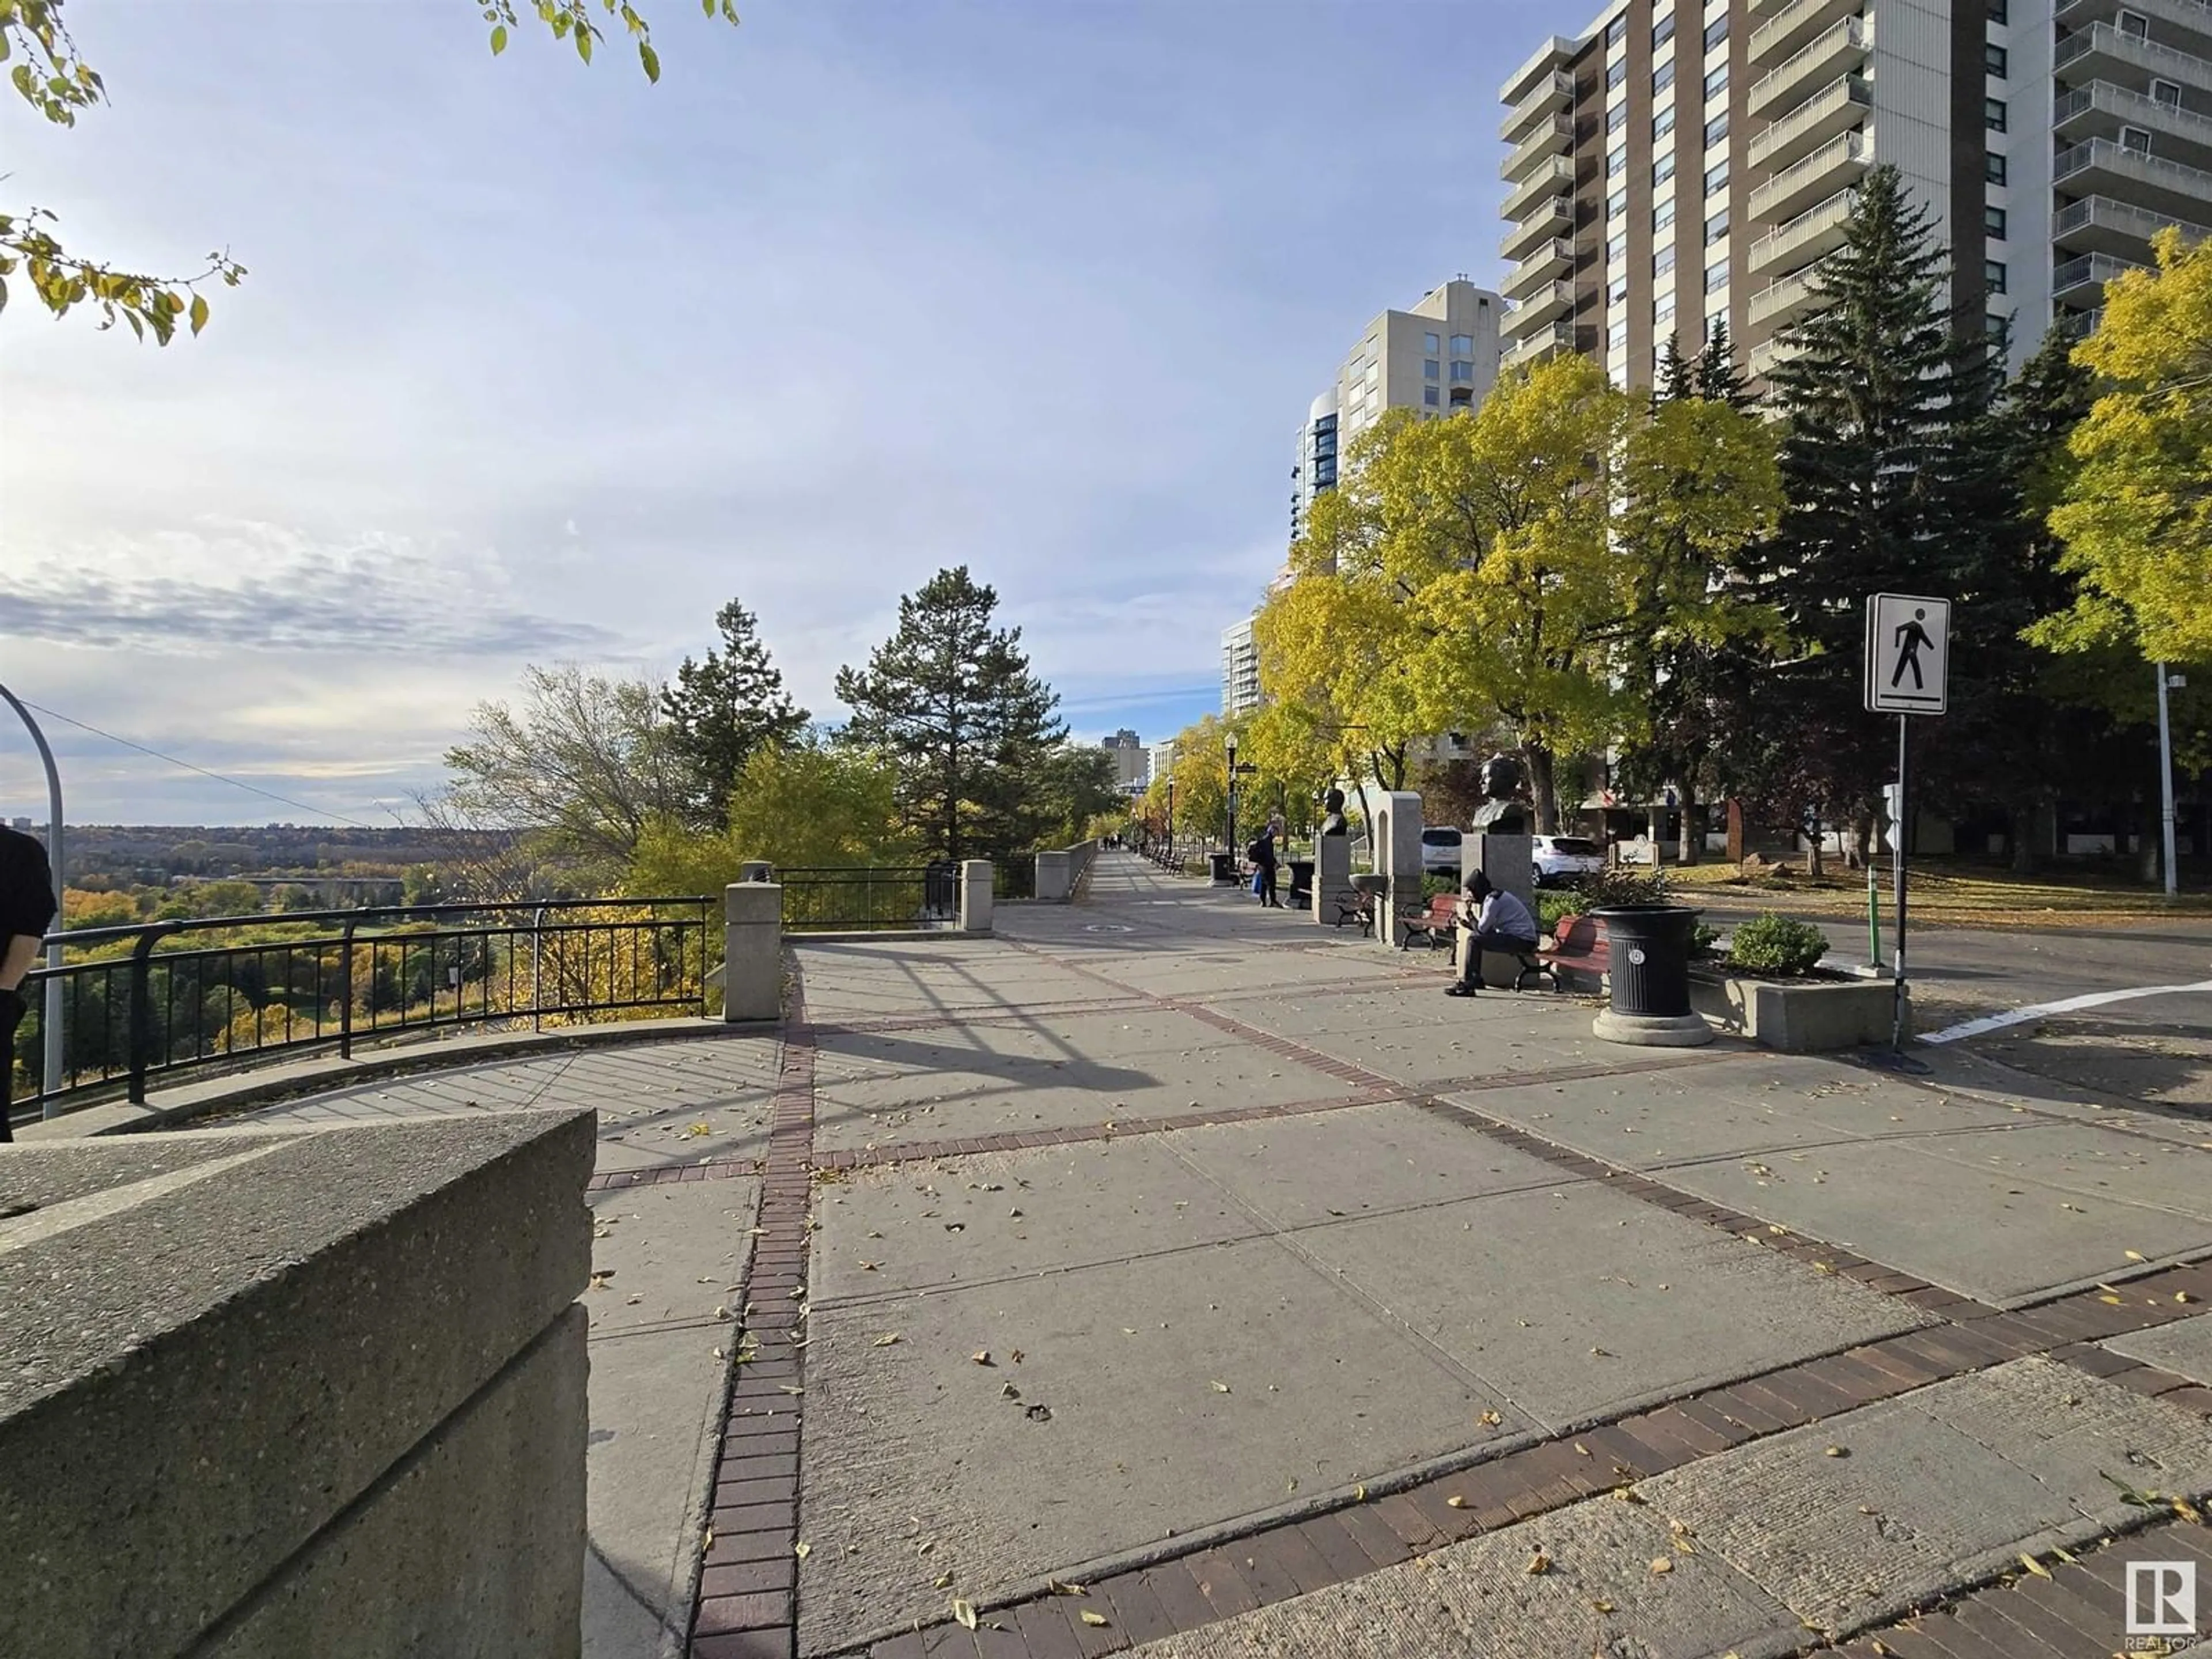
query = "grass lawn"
{"x": 1943, "y": 890}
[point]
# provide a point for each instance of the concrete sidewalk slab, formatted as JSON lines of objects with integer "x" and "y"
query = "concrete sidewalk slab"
{"x": 666, "y": 1262}
{"x": 934, "y": 1225}
{"x": 1118, "y": 1436}
{"x": 1934, "y": 1490}
{"x": 1997, "y": 1234}
{"x": 2184, "y": 1347}
{"x": 1577, "y": 1302}
{"x": 870, "y": 978}
{"x": 1364, "y": 1160}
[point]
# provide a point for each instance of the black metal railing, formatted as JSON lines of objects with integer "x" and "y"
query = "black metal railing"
{"x": 822, "y": 898}
{"x": 1014, "y": 876}
{"x": 146, "y": 1001}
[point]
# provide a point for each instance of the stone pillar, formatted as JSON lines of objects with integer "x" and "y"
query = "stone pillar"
{"x": 1055, "y": 877}
{"x": 1394, "y": 833}
{"x": 752, "y": 950}
{"x": 1331, "y": 877}
{"x": 976, "y": 897}
{"x": 1510, "y": 862}
{"x": 1736, "y": 847}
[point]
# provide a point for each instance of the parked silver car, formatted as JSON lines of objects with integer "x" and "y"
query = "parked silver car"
{"x": 1559, "y": 858}
{"x": 1440, "y": 852}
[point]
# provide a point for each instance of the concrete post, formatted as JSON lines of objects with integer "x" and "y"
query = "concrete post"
{"x": 976, "y": 897}
{"x": 1510, "y": 862}
{"x": 752, "y": 950}
{"x": 1055, "y": 877}
{"x": 1332, "y": 877}
{"x": 1396, "y": 834}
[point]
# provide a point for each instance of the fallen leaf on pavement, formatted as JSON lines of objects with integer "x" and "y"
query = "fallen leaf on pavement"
{"x": 1490, "y": 1419}
{"x": 1221, "y": 1388}
{"x": 1602, "y": 1606}
{"x": 982, "y": 1356}
{"x": 802, "y": 1549}
{"x": 2135, "y": 1256}
{"x": 1091, "y": 1618}
{"x": 887, "y": 1339}
{"x": 1539, "y": 1563}
{"x": 1660, "y": 1564}
{"x": 1455, "y": 1502}
{"x": 964, "y": 1613}
{"x": 1059, "y": 1589}
{"x": 1837, "y": 1451}
{"x": 2035, "y": 1565}
{"x": 1017, "y": 1356}
{"x": 944, "y": 1580}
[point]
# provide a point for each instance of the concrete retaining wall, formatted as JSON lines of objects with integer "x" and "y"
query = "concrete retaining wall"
{"x": 1812, "y": 1018}
{"x": 296, "y": 1393}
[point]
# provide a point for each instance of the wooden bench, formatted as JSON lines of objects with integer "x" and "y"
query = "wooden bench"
{"x": 1355, "y": 904}
{"x": 1437, "y": 925}
{"x": 1578, "y": 946}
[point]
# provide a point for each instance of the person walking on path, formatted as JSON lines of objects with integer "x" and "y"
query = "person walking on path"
{"x": 1262, "y": 853}
{"x": 1500, "y": 921}
{"x": 27, "y": 909}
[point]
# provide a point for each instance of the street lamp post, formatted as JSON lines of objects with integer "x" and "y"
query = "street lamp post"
{"x": 50, "y": 1020}
{"x": 1170, "y": 820}
{"x": 1232, "y": 799}
{"x": 2165, "y": 775}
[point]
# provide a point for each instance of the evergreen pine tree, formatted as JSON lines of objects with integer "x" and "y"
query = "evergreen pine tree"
{"x": 952, "y": 702}
{"x": 1713, "y": 375}
{"x": 721, "y": 710}
{"x": 1675, "y": 374}
{"x": 1887, "y": 464}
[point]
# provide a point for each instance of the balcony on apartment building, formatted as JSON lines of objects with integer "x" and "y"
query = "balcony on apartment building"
{"x": 1553, "y": 259}
{"x": 2081, "y": 281}
{"x": 2104, "y": 51}
{"x": 2191, "y": 17}
{"x": 1837, "y": 107}
{"x": 1551, "y": 300}
{"x": 2080, "y": 324}
{"x": 1547, "y": 342}
{"x": 1554, "y": 138}
{"x": 1766, "y": 355}
{"x": 2132, "y": 173}
{"x": 1813, "y": 232}
{"x": 1543, "y": 85}
{"x": 1547, "y": 98}
{"x": 2097, "y": 224}
{"x": 1844, "y": 47}
{"x": 1548, "y": 219}
{"x": 1794, "y": 25}
{"x": 1556, "y": 174}
{"x": 1839, "y": 162}
{"x": 2101, "y": 109}
{"x": 1785, "y": 299}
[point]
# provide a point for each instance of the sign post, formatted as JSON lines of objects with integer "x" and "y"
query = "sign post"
{"x": 1908, "y": 664}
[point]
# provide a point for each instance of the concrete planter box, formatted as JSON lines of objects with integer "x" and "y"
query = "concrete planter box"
{"x": 1798, "y": 1018}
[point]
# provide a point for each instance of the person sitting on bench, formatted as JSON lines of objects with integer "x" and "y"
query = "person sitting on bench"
{"x": 1498, "y": 921}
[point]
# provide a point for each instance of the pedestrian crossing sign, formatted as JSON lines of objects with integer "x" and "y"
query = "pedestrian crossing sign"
{"x": 1908, "y": 654}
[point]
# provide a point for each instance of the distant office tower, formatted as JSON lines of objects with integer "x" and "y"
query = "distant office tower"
{"x": 1677, "y": 164}
{"x": 1240, "y": 670}
{"x": 1132, "y": 762}
{"x": 1439, "y": 357}
{"x": 1164, "y": 754}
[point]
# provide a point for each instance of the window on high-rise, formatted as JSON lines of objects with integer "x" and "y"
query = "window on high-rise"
{"x": 1463, "y": 373}
{"x": 1431, "y": 396}
{"x": 1716, "y": 129}
{"x": 1617, "y": 203}
{"x": 1994, "y": 59}
{"x": 1993, "y": 222}
{"x": 1430, "y": 370}
{"x": 1616, "y": 159}
{"x": 1663, "y": 30}
{"x": 1716, "y": 78}
{"x": 1664, "y": 168}
{"x": 1616, "y": 117}
{"x": 1716, "y": 31}
{"x": 1617, "y": 336}
{"x": 1717, "y": 176}
{"x": 1663, "y": 308}
{"x": 1462, "y": 345}
{"x": 1617, "y": 31}
{"x": 1663, "y": 121}
{"x": 1717, "y": 275}
{"x": 1993, "y": 166}
{"x": 1664, "y": 76}
{"x": 1716, "y": 228}
{"x": 1663, "y": 260}
{"x": 1993, "y": 115}
{"x": 1430, "y": 342}
{"x": 1616, "y": 73}
{"x": 1616, "y": 245}
{"x": 1662, "y": 214}
{"x": 1616, "y": 290}
{"x": 1999, "y": 11}
{"x": 1993, "y": 275}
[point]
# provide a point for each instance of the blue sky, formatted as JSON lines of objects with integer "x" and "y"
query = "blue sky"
{"x": 536, "y": 362}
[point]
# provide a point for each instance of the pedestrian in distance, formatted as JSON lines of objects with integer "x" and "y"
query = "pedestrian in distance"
{"x": 27, "y": 909}
{"x": 1262, "y": 854}
{"x": 1499, "y": 920}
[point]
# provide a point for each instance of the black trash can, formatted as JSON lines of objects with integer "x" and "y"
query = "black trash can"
{"x": 1302, "y": 883}
{"x": 1224, "y": 869}
{"x": 1649, "y": 948}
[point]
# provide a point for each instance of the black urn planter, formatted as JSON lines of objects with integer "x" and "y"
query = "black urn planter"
{"x": 1649, "y": 950}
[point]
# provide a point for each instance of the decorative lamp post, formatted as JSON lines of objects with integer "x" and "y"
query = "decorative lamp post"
{"x": 1172, "y": 818}
{"x": 1232, "y": 796}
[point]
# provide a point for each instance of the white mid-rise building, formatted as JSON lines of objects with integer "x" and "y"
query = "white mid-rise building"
{"x": 1240, "y": 670}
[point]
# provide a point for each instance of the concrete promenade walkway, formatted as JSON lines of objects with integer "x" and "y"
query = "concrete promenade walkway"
{"x": 1215, "y": 1263}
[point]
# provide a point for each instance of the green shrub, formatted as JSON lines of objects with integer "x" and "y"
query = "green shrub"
{"x": 1554, "y": 905}
{"x": 1778, "y": 945}
{"x": 1621, "y": 885}
{"x": 1703, "y": 937}
{"x": 1432, "y": 885}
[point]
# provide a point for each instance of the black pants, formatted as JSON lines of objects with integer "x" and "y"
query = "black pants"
{"x": 1268, "y": 885}
{"x": 1470, "y": 974}
{"x": 12, "y": 1008}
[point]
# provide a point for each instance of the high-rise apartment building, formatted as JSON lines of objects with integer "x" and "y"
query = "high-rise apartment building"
{"x": 1440, "y": 356}
{"x": 1240, "y": 670}
{"x": 1682, "y": 162}
{"x": 1133, "y": 761}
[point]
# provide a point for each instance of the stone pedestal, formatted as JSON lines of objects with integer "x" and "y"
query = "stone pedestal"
{"x": 1055, "y": 877}
{"x": 975, "y": 895}
{"x": 752, "y": 950}
{"x": 1395, "y": 832}
{"x": 1332, "y": 877}
{"x": 279, "y": 1394}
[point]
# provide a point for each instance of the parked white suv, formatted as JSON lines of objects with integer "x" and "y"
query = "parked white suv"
{"x": 1440, "y": 852}
{"x": 1560, "y": 857}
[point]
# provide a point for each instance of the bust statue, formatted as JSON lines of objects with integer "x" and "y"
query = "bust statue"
{"x": 1334, "y": 823}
